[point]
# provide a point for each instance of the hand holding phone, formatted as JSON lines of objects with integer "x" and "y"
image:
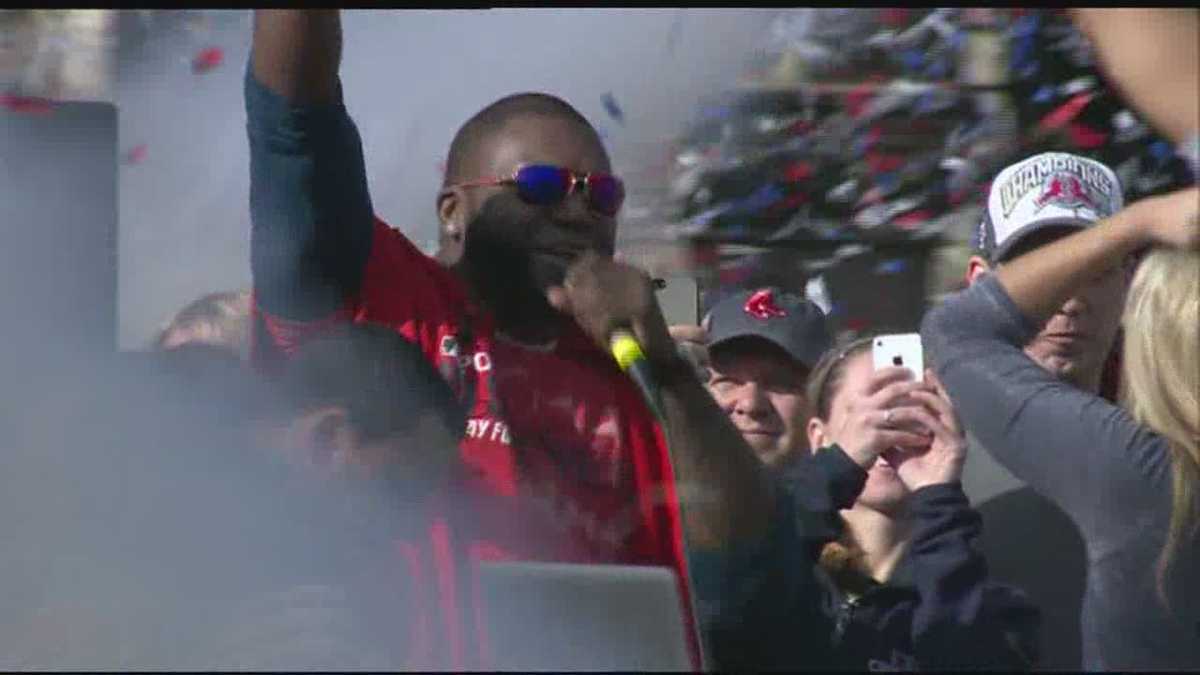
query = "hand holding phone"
{"x": 899, "y": 351}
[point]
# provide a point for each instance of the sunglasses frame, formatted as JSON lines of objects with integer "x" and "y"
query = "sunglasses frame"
{"x": 577, "y": 179}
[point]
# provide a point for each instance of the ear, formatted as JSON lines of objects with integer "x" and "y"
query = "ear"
{"x": 454, "y": 211}
{"x": 976, "y": 267}
{"x": 324, "y": 438}
{"x": 816, "y": 434}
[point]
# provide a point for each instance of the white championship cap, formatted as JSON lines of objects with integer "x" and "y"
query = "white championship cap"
{"x": 1053, "y": 189}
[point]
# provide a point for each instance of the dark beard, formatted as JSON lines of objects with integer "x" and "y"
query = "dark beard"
{"x": 507, "y": 277}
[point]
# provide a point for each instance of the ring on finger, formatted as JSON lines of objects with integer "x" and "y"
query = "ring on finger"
{"x": 887, "y": 416}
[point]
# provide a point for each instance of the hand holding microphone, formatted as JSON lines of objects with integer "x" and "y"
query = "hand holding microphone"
{"x": 614, "y": 304}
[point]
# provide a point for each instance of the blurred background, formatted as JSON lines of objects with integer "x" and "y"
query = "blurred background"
{"x": 839, "y": 152}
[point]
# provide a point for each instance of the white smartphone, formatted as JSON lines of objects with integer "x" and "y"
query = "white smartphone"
{"x": 902, "y": 351}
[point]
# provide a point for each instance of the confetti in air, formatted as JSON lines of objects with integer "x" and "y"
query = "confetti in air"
{"x": 675, "y": 32}
{"x": 611, "y": 107}
{"x": 207, "y": 59}
{"x": 136, "y": 154}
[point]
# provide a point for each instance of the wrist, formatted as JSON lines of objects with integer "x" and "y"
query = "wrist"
{"x": 1132, "y": 227}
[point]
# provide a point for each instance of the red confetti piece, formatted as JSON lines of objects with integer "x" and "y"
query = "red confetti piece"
{"x": 136, "y": 154}
{"x": 1067, "y": 112}
{"x": 1086, "y": 137}
{"x": 27, "y": 105}
{"x": 913, "y": 219}
{"x": 801, "y": 127}
{"x": 856, "y": 324}
{"x": 207, "y": 59}
{"x": 857, "y": 99}
{"x": 798, "y": 171}
{"x": 878, "y": 163}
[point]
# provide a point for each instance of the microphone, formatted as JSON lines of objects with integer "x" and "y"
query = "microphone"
{"x": 632, "y": 360}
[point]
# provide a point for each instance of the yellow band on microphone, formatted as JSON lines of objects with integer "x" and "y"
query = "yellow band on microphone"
{"x": 625, "y": 349}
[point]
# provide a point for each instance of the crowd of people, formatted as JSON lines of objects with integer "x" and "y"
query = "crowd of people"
{"x": 310, "y": 473}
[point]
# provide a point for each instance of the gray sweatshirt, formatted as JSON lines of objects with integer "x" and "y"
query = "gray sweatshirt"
{"x": 1110, "y": 475}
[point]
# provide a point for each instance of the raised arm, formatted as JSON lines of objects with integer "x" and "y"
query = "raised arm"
{"x": 297, "y": 53}
{"x": 1088, "y": 456}
{"x": 311, "y": 214}
{"x": 1039, "y": 282}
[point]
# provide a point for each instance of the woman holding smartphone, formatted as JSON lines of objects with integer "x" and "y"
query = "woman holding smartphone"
{"x": 1127, "y": 475}
{"x": 905, "y": 587}
{"x": 871, "y": 565}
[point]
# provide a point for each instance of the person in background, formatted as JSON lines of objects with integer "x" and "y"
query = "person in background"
{"x": 1125, "y": 475}
{"x": 1077, "y": 344}
{"x": 874, "y": 568}
{"x": 219, "y": 319}
{"x": 756, "y": 350}
{"x": 361, "y": 401}
{"x": 907, "y": 587}
{"x": 562, "y": 459}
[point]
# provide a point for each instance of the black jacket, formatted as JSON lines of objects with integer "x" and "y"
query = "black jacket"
{"x": 778, "y": 609}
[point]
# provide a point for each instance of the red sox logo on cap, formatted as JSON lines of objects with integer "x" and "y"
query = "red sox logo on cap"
{"x": 761, "y": 305}
{"x": 1066, "y": 190}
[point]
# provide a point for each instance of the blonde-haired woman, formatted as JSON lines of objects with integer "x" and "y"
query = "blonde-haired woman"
{"x": 1128, "y": 476}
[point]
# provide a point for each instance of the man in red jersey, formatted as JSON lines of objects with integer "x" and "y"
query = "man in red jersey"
{"x": 562, "y": 460}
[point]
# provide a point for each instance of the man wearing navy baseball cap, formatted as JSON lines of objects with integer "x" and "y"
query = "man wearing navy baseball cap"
{"x": 761, "y": 346}
{"x": 1032, "y": 203}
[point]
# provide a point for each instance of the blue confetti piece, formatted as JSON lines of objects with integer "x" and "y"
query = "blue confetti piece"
{"x": 1044, "y": 94}
{"x": 611, "y": 107}
{"x": 1020, "y": 60}
{"x": 675, "y": 32}
{"x": 924, "y": 103}
{"x": 762, "y": 198}
{"x": 958, "y": 39}
{"x": 887, "y": 181}
{"x": 912, "y": 59}
{"x": 1161, "y": 151}
{"x": 1026, "y": 26}
{"x": 891, "y": 266}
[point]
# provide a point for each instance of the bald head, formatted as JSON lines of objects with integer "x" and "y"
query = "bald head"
{"x": 471, "y": 141}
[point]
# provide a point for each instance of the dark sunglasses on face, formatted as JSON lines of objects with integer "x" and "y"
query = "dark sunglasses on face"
{"x": 546, "y": 185}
